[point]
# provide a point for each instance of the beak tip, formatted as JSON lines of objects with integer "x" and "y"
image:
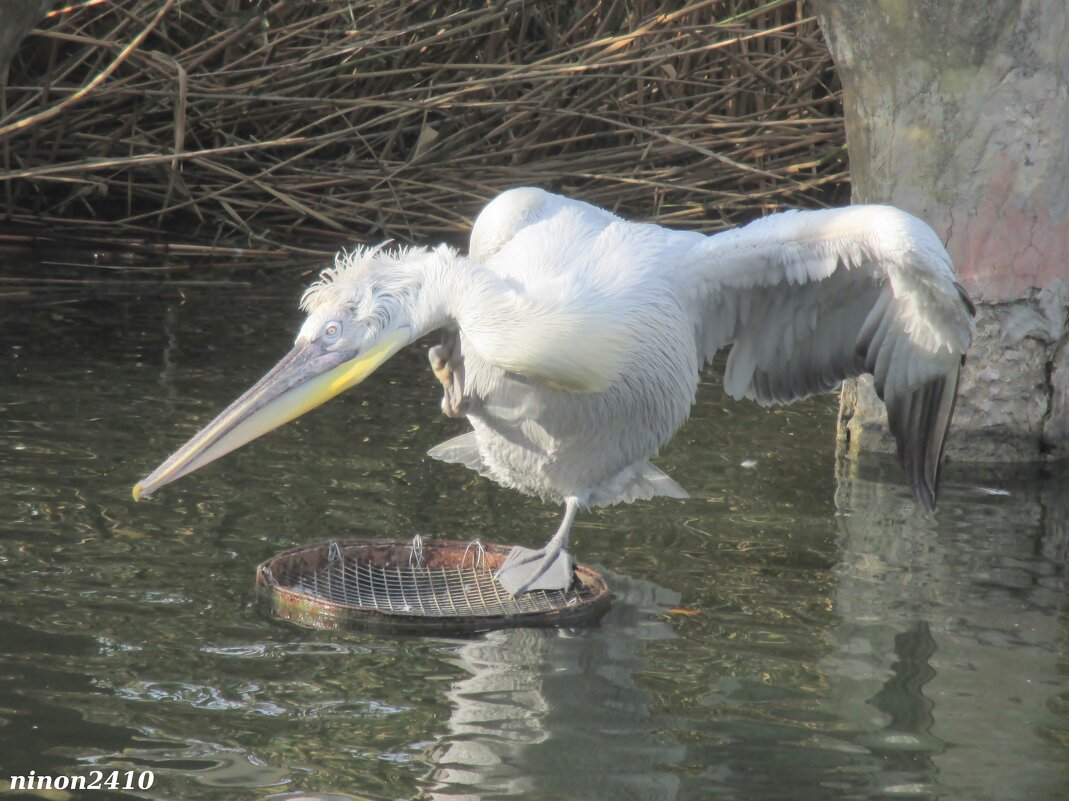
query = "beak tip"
{"x": 137, "y": 491}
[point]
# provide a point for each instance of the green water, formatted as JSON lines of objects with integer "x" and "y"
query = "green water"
{"x": 781, "y": 635}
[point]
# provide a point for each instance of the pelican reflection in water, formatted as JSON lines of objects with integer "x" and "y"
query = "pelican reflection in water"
{"x": 572, "y": 342}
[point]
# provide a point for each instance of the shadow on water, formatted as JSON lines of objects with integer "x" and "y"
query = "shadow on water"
{"x": 784, "y": 634}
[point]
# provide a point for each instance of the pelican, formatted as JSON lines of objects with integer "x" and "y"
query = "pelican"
{"x": 572, "y": 342}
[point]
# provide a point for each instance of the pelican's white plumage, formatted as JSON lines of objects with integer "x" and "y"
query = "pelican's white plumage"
{"x": 804, "y": 300}
{"x": 573, "y": 340}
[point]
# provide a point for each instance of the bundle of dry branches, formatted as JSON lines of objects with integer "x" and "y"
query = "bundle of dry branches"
{"x": 284, "y": 125}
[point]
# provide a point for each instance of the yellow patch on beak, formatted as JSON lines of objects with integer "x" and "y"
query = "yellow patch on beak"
{"x": 273, "y": 401}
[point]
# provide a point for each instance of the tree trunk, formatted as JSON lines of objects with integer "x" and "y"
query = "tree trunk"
{"x": 958, "y": 112}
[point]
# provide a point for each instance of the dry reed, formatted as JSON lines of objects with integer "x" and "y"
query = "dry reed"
{"x": 295, "y": 126}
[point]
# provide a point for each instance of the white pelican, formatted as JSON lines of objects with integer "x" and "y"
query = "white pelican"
{"x": 573, "y": 340}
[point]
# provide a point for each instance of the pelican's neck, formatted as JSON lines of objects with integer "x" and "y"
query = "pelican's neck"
{"x": 447, "y": 285}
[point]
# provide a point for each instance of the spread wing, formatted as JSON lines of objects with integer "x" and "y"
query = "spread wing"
{"x": 806, "y": 299}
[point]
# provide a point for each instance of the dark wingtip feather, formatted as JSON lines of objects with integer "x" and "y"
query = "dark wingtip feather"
{"x": 966, "y": 299}
{"x": 920, "y": 422}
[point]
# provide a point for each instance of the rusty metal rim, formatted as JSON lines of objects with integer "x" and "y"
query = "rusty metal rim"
{"x": 310, "y": 610}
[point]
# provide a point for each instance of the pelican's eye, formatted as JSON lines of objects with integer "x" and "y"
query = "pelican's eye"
{"x": 331, "y": 330}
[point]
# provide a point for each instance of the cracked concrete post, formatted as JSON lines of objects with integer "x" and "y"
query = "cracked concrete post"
{"x": 958, "y": 111}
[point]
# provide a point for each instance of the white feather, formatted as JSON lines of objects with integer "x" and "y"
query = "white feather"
{"x": 582, "y": 335}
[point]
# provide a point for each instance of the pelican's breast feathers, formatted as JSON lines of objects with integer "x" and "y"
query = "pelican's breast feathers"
{"x": 575, "y": 297}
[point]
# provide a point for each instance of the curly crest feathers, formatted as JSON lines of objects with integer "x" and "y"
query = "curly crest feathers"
{"x": 353, "y": 273}
{"x": 377, "y": 288}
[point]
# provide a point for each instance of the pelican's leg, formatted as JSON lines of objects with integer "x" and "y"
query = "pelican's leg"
{"x": 549, "y": 568}
{"x": 448, "y": 366}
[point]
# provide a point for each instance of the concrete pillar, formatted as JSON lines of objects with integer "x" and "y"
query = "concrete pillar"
{"x": 958, "y": 111}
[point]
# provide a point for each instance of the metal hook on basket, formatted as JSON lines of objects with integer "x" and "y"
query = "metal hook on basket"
{"x": 478, "y": 561}
{"x": 415, "y": 554}
{"x": 334, "y": 553}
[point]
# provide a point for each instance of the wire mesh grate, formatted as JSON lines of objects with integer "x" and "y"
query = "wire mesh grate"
{"x": 417, "y": 584}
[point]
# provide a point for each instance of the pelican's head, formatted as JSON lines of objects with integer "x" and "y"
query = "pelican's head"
{"x": 360, "y": 313}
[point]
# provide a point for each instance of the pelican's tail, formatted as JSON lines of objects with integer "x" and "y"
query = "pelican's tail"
{"x": 639, "y": 482}
{"x": 461, "y": 450}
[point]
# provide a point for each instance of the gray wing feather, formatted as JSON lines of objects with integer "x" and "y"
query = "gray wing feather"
{"x": 808, "y": 299}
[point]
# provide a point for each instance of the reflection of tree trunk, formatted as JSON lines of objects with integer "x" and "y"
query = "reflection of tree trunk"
{"x": 17, "y": 18}
{"x": 952, "y": 643}
{"x": 956, "y": 111}
{"x": 902, "y": 696}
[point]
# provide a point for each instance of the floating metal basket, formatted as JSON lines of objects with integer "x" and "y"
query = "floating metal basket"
{"x": 416, "y": 586}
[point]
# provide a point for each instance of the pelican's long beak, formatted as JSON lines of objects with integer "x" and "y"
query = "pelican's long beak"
{"x": 307, "y": 376}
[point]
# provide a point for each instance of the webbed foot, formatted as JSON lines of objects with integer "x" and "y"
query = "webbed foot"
{"x": 525, "y": 569}
{"x": 448, "y": 366}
